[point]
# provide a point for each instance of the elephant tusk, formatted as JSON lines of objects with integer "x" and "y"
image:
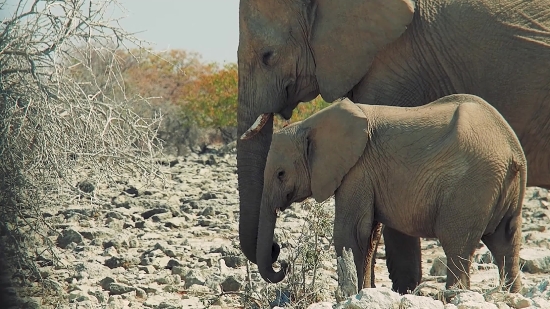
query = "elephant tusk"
{"x": 256, "y": 126}
{"x": 286, "y": 123}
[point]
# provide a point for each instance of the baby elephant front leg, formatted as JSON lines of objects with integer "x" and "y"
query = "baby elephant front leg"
{"x": 355, "y": 235}
{"x": 353, "y": 220}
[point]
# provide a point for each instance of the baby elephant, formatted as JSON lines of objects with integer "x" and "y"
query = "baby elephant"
{"x": 452, "y": 169}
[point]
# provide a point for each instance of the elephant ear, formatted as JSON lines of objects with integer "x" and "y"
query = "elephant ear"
{"x": 336, "y": 138}
{"x": 346, "y": 36}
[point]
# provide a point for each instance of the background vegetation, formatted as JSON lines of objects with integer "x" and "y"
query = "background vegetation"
{"x": 199, "y": 93}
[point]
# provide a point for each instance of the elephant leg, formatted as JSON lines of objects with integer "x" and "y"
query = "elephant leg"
{"x": 458, "y": 270}
{"x": 505, "y": 244}
{"x": 355, "y": 236}
{"x": 403, "y": 259}
{"x": 343, "y": 241}
{"x": 459, "y": 248}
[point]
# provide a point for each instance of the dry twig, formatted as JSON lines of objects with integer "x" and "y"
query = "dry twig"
{"x": 55, "y": 121}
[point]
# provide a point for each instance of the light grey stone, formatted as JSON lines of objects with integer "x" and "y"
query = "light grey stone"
{"x": 231, "y": 284}
{"x": 373, "y": 298}
{"x": 69, "y": 236}
{"x": 193, "y": 277}
{"x": 439, "y": 266}
{"x": 119, "y": 288}
{"x": 535, "y": 260}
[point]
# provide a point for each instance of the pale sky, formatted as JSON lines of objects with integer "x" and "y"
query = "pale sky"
{"x": 209, "y": 27}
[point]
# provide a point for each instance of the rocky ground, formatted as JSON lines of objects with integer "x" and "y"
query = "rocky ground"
{"x": 173, "y": 243}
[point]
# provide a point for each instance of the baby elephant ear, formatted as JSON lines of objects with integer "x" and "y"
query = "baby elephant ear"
{"x": 336, "y": 139}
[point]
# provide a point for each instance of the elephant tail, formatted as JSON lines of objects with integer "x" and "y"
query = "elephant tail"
{"x": 513, "y": 191}
{"x": 374, "y": 240}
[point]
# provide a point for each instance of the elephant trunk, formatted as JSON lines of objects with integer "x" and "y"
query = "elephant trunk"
{"x": 265, "y": 244}
{"x": 251, "y": 160}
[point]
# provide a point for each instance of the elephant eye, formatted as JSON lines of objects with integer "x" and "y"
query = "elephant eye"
{"x": 280, "y": 175}
{"x": 266, "y": 57}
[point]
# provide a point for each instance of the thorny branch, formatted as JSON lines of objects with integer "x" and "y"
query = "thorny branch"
{"x": 63, "y": 108}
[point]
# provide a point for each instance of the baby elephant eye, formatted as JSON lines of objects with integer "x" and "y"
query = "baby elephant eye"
{"x": 266, "y": 57}
{"x": 281, "y": 174}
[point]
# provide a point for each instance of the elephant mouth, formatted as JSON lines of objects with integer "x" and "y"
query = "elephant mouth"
{"x": 282, "y": 208}
{"x": 287, "y": 205}
{"x": 309, "y": 95}
{"x": 303, "y": 96}
{"x": 286, "y": 113}
{"x": 279, "y": 210}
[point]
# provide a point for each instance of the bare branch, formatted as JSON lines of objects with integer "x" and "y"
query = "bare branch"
{"x": 63, "y": 107}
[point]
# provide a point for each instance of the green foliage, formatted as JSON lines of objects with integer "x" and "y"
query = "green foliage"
{"x": 167, "y": 76}
{"x": 302, "y": 111}
{"x": 205, "y": 93}
{"x": 213, "y": 101}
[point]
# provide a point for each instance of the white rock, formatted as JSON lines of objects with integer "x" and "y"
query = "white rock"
{"x": 517, "y": 301}
{"x": 472, "y": 300}
{"x": 223, "y": 268}
{"x": 534, "y": 204}
{"x": 322, "y": 305}
{"x": 502, "y": 305}
{"x": 116, "y": 302}
{"x": 474, "y": 305}
{"x": 539, "y": 302}
{"x": 412, "y": 301}
{"x": 373, "y": 298}
{"x": 466, "y": 297}
{"x": 537, "y": 260}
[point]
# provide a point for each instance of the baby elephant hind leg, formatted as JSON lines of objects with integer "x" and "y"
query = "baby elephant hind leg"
{"x": 505, "y": 244}
{"x": 459, "y": 233}
{"x": 459, "y": 250}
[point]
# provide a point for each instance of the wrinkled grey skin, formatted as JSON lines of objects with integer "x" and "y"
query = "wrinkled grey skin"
{"x": 401, "y": 53}
{"x": 424, "y": 171}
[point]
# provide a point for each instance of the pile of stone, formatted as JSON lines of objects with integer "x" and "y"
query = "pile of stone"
{"x": 173, "y": 243}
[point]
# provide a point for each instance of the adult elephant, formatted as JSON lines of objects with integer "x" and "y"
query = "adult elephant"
{"x": 389, "y": 52}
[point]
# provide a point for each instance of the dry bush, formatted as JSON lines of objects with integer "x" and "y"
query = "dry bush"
{"x": 305, "y": 251}
{"x": 179, "y": 134}
{"x": 54, "y": 121}
{"x": 304, "y": 283}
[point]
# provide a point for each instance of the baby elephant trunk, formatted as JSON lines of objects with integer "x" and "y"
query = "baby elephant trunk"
{"x": 266, "y": 249}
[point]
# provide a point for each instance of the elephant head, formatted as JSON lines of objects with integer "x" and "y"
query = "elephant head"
{"x": 308, "y": 158}
{"x": 289, "y": 52}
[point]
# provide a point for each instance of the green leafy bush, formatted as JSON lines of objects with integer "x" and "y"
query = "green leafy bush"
{"x": 205, "y": 93}
{"x": 212, "y": 102}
